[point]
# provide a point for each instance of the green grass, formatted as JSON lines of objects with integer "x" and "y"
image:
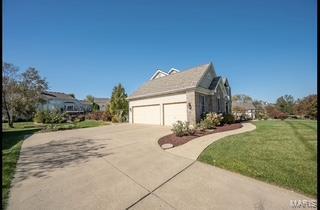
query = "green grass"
{"x": 21, "y": 126}
{"x": 84, "y": 124}
{"x": 279, "y": 152}
{"x": 12, "y": 139}
{"x": 11, "y": 145}
{"x": 27, "y": 126}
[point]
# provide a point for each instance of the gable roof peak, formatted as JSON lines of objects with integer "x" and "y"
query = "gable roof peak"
{"x": 158, "y": 73}
{"x": 173, "y": 71}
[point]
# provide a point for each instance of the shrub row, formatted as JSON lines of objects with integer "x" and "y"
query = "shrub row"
{"x": 210, "y": 121}
{"x": 105, "y": 116}
{"x": 56, "y": 117}
{"x": 182, "y": 128}
{"x": 50, "y": 117}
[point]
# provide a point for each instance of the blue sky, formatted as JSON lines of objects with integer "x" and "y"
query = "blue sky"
{"x": 265, "y": 48}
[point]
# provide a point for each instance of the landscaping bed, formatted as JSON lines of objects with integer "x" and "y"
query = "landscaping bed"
{"x": 176, "y": 140}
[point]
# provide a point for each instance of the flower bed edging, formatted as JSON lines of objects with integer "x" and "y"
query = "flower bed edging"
{"x": 177, "y": 141}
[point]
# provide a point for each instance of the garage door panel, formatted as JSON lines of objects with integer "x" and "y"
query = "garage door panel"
{"x": 174, "y": 112}
{"x": 147, "y": 114}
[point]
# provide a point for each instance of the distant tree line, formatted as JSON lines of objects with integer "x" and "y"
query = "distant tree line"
{"x": 21, "y": 94}
{"x": 285, "y": 106}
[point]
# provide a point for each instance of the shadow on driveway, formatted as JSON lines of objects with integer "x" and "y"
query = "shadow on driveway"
{"x": 39, "y": 160}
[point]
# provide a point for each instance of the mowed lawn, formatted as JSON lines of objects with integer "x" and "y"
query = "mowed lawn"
{"x": 12, "y": 139}
{"x": 279, "y": 152}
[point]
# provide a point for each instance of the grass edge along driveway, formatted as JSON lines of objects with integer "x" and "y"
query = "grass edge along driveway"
{"x": 12, "y": 139}
{"x": 278, "y": 152}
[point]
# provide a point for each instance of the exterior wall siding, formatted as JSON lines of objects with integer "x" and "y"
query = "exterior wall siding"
{"x": 191, "y": 113}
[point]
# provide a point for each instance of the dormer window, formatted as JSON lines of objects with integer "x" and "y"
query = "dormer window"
{"x": 173, "y": 71}
{"x": 158, "y": 74}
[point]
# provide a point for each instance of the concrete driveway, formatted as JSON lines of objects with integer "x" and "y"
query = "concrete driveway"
{"x": 122, "y": 166}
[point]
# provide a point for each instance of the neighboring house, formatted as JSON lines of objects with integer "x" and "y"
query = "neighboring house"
{"x": 87, "y": 106}
{"x": 102, "y": 102}
{"x": 60, "y": 102}
{"x": 246, "y": 108}
{"x": 185, "y": 96}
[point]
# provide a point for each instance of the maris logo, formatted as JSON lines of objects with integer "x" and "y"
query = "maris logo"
{"x": 303, "y": 203}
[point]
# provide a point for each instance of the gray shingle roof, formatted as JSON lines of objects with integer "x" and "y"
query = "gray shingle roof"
{"x": 101, "y": 100}
{"x": 85, "y": 102}
{"x": 56, "y": 95}
{"x": 172, "y": 83}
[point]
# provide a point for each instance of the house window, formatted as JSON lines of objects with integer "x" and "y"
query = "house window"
{"x": 202, "y": 104}
{"x": 218, "y": 104}
{"x": 227, "y": 108}
{"x": 69, "y": 107}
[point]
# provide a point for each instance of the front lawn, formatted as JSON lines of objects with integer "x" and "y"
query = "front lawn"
{"x": 11, "y": 145}
{"x": 76, "y": 125}
{"x": 278, "y": 152}
{"x": 21, "y": 126}
{"x": 12, "y": 139}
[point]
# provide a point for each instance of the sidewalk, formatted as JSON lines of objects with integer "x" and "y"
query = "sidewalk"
{"x": 193, "y": 148}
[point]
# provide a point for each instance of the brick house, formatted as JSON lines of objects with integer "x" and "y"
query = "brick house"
{"x": 185, "y": 96}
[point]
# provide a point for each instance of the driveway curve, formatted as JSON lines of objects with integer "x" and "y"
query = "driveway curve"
{"x": 123, "y": 167}
{"x": 193, "y": 148}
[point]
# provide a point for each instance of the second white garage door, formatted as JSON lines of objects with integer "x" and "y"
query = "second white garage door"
{"x": 174, "y": 112}
{"x": 147, "y": 114}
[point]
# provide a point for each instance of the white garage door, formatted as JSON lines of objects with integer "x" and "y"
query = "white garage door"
{"x": 174, "y": 112}
{"x": 147, "y": 114}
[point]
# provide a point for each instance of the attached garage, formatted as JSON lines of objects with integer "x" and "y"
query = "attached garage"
{"x": 168, "y": 97}
{"x": 162, "y": 110}
{"x": 146, "y": 114}
{"x": 174, "y": 112}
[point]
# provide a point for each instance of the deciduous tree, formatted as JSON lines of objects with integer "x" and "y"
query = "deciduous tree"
{"x": 241, "y": 98}
{"x": 307, "y": 106}
{"x": 21, "y": 93}
{"x": 285, "y": 104}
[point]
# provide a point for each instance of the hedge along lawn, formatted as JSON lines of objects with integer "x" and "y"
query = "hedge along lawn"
{"x": 12, "y": 139}
{"x": 279, "y": 152}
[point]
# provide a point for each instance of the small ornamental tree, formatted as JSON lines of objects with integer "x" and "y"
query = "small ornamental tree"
{"x": 95, "y": 106}
{"x": 119, "y": 105}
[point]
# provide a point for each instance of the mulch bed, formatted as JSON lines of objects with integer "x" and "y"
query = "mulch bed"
{"x": 176, "y": 140}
